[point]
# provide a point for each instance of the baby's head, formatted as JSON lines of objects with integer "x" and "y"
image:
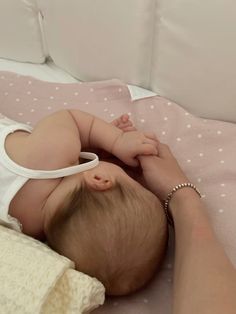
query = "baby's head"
{"x": 116, "y": 234}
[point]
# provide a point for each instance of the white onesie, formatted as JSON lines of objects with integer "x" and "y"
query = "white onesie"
{"x": 14, "y": 176}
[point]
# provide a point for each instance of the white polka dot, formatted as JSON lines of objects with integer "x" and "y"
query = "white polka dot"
{"x": 222, "y": 195}
{"x": 203, "y": 195}
{"x": 165, "y": 118}
{"x": 189, "y": 160}
{"x": 129, "y": 113}
{"x": 178, "y": 139}
{"x": 2, "y": 77}
{"x": 169, "y": 103}
{"x": 120, "y": 90}
{"x": 29, "y": 93}
{"x": 51, "y": 97}
{"x": 56, "y": 88}
{"x": 20, "y": 113}
{"x": 152, "y": 107}
{"x": 105, "y": 110}
{"x": 32, "y": 110}
{"x": 17, "y": 99}
{"x": 142, "y": 120}
{"x": 65, "y": 104}
{"x": 222, "y": 184}
{"x": 222, "y": 161}
{"x": 220, "y": 150}
{"x": 189, "y": 126}
{"x": 112, "y": 115}
{"x": 6, "y": 93}
{"x": 199, "y": 180}
{"x": 105, "y": 99}
{"x": 163, "y": 133}
{"x": 86, "y": 103}
{"x": 205, "y": 121}
{"x": 28, "y": 122}
{"x": 49, "y": 107}
{"x": 76, "y": 93}
{"x": 11, "y": 84}
{"x": 199, "y": 135}
{"x": 29, "y": 82}
{"x": 35, "y": 99}
{"x": 145, "y": 300}
{"x": 91, "y": 90}
{"x": 201, "y": 154}
{"x": 219, "y": 132}
{"x": 221, "y": 210}
{"x": 186, "y": 113}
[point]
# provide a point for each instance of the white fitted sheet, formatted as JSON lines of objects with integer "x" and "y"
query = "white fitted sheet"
{"x": 51, "y": 73}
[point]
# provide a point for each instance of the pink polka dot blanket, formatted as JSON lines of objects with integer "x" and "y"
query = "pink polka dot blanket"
{"x": 205, "y": 149}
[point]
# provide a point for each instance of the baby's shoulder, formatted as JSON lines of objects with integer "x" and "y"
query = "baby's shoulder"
{"x": 54, "y": 143}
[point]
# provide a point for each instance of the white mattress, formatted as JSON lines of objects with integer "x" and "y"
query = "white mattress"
{"x": 51, "y": 73}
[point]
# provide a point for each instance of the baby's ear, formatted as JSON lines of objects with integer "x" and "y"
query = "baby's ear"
{"x": 97, "y": 181}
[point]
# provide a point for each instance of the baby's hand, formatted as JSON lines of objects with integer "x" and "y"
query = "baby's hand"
{"x": 124, "y": 123}
{"x": 131, "y": 144}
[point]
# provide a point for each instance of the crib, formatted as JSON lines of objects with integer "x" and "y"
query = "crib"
{"x": 156, "y": 54}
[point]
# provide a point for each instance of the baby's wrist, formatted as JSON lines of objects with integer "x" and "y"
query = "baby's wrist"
{"x": 115, "y": 142}
{"x": 103, "y": 135}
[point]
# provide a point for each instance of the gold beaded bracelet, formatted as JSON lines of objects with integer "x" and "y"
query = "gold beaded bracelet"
{"x": 169, "y": 196}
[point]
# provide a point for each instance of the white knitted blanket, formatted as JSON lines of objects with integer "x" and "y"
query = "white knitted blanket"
{"x": 35, "y": 279}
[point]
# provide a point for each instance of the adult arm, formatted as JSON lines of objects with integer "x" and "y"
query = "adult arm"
{"x": 204, "y": 277}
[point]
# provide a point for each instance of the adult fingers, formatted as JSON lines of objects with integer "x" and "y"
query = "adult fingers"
{"x": 164, "y": 151}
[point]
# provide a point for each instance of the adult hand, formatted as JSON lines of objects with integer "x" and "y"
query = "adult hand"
{"x": 161, "y": 173}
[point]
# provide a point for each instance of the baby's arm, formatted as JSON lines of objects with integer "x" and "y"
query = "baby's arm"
{"x": 97, "y": 133}
{"x": 57, "y": 140}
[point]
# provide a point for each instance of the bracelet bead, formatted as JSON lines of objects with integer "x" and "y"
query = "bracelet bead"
{"x": 170, "y": 195}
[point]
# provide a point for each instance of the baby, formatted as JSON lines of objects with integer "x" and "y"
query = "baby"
{"x": 92, "y": 212}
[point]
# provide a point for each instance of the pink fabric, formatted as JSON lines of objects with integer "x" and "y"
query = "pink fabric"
{"x": 205, "y": 149}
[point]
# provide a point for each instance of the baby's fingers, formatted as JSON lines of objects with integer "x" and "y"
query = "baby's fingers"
{"x": 149, "y": 149}
{"x": 151, "y": 136}
{"x": 151, "y": 142}
{"x": 129, "y": 128}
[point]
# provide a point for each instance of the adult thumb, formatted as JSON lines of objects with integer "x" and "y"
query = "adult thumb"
{"x": 164, "y": 151}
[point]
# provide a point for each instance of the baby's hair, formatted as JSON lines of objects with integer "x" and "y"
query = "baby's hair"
{"x": 117, "y": 235}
